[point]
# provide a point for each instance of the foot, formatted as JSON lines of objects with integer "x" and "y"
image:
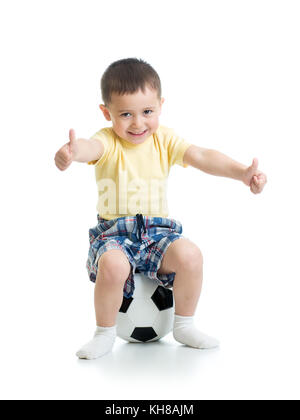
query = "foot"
{"x": 101, "y": 344}
{"x": 185, "y": 332}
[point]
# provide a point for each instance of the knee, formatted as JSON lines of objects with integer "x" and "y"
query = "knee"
{"x": 113, "y": 267}
{"x": 190, "y": 258}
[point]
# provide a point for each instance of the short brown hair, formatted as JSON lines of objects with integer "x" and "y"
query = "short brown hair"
{"x": 128, "y": 76}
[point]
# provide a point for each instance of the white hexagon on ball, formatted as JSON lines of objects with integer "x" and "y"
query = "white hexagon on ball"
{"x": 149, "y": 314}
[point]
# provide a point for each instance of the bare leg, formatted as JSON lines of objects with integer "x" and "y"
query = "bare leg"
{"x": 113, "y": 271}
{"x": 185, "y": 259}
{"x": 187, "y": 287}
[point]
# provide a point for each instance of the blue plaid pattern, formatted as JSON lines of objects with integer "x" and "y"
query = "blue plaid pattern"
{"x": 144, "y": 256}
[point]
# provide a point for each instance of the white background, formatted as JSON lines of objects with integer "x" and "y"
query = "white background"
{"x": 230, "y": 76}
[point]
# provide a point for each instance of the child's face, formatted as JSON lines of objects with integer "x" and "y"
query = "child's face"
{"x": 134, "y": 116}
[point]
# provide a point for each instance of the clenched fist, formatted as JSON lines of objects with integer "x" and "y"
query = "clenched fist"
{"x": 66, "y": 154}
{"x": 254, "y": 178}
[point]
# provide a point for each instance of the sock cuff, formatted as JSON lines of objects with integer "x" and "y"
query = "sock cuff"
{"x": 106, "y": 330}
{"x": 185, "y": 319}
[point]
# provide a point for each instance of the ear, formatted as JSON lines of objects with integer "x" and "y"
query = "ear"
{"x": 105, "y": 112}
{"x": 162, "y": 100}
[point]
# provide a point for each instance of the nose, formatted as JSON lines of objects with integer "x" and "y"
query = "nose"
{"x": 137, "y": 122}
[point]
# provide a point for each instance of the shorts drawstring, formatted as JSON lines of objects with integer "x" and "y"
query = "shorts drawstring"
{"x": 140, "y": 225}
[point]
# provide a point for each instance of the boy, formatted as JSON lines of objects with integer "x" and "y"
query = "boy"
{"x": 132, "y": 160}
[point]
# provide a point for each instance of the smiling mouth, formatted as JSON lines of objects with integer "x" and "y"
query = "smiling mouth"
{"x": 137, "y": 134}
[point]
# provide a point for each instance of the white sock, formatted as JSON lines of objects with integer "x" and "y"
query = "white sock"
{"x": 101, "y": 344}
{"x": 185, "y": 332}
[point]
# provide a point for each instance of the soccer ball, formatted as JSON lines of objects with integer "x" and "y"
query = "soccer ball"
{"x": 148, "y": 315}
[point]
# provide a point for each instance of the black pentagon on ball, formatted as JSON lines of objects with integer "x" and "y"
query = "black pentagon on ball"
{"x": 125, "y": 304}
{"x": 163, "y": 298}
{"x": 143, "y": 334}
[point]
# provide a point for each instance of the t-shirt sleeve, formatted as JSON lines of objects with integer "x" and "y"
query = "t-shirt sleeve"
{"x": 100, "y": 135}
{"x": 177, "y": 146}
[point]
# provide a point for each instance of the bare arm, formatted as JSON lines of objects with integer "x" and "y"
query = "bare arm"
{"x": 215, "y": 163}
{"x": 88, "y": 150}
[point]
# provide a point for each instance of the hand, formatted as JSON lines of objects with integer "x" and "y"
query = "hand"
{"x": 254, "y": 178}
{"x": 66, "y": 154}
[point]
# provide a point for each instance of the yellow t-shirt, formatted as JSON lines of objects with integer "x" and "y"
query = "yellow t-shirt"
{"x": 132, "y": 178}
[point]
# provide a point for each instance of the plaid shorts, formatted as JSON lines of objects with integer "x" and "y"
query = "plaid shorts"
{"x": 143, "y": 239}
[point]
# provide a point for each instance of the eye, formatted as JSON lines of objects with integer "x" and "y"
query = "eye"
{"x": 148, "y": 111}
{"x": 125, "y": 114}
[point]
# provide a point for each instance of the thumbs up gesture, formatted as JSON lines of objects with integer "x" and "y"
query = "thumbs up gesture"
{"x": 254, "y": 178}
{"x": 66, "y": 154}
